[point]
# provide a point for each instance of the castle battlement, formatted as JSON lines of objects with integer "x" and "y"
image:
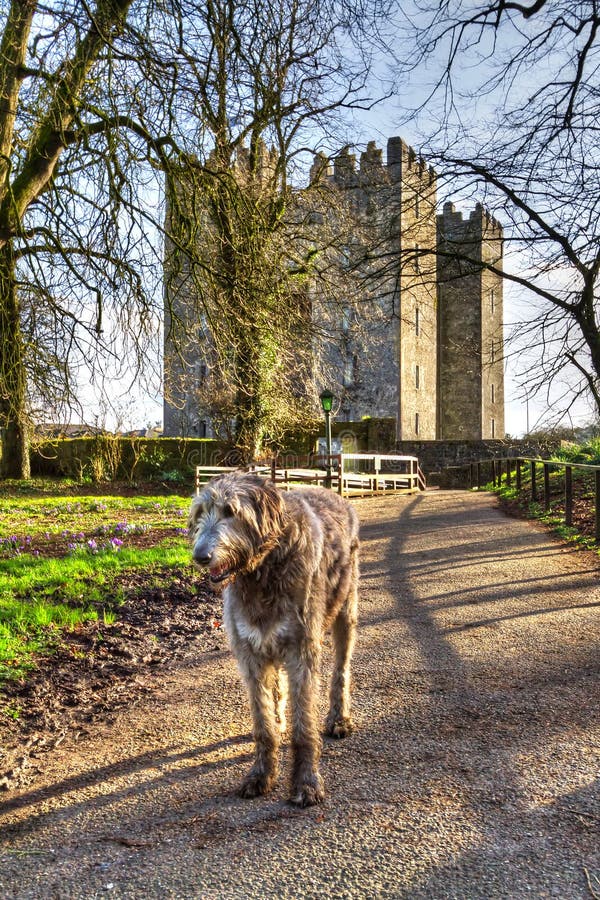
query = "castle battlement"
{"x": 402, "y": 163}
{"x": 480, "y": 223}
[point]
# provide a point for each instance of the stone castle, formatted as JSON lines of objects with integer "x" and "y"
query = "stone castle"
{"x": 424, "y": 345}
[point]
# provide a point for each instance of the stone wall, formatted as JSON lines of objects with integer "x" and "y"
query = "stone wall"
{"x": 434, "y": 456}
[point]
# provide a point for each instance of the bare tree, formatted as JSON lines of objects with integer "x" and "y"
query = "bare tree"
{"x": 67, "y": 241}
{"x": 102, "y": 105}
{"x": 517, "y": 92}
{"x": 248, "y": 235}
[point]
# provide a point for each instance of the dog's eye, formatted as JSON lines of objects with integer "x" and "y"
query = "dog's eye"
{"x": 227, "y": 511}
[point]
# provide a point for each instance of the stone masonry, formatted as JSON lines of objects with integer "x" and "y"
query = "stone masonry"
{"x": 423, "y": 342}
{"x": 471, "y": 350}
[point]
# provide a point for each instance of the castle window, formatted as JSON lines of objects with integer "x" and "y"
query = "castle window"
{"x": 493, "y": 393}
{"x": 417, "y": 320}
{"x": 346, "y": 319}
{"x": 417, "y": 206}
{"x": 493, "y": 351}
{"x": 200, "y": 373}
{"x": 348, "y": 372}
{"x": 416, "y": 423}
{"x": 417, "y": 259}
{"x": 492, "y": 300}
{"x": 417, "y": 378}
{"x": 493, "y": 428}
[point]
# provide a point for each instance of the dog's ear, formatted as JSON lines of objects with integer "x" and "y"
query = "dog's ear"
{"x": 269, "y": 506}
{"x": 195, "y": 510}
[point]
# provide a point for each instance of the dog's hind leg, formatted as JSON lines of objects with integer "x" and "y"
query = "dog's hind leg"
{"x": 260, "y": 679}
{"x": 339, "y": 723}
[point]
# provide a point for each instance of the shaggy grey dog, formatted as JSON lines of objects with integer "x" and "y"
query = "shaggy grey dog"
{"x": 289, "y": 566}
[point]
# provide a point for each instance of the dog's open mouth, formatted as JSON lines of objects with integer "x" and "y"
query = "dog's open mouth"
{"x": 219, "y": 573}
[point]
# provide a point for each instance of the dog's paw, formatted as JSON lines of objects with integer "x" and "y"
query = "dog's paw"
{"x": 309, "y": 792}
{"x": 255, "y": 784}
{"x": 338, "y": 728}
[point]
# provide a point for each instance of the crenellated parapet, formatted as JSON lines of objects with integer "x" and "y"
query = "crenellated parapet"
{"x": 479, "y": 224}
{"x": 402, "y": 163}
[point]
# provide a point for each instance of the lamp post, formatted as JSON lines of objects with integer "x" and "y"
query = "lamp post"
{"x": 326, "y": 398}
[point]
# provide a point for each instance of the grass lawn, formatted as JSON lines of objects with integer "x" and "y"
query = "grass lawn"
{"x": 61, "y": 553}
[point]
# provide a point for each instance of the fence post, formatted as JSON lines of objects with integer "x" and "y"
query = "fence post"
{"x": 569, "y": 495}
{"x": 478, "y": 476}
{"x": 533, "y": 484}
{"x": 494, "y": 473}
{"x": 518, "y": 474}
{"x": 546, "y": 487}
{"x": 508, "y": 472}
{"x": 472, "y": 475}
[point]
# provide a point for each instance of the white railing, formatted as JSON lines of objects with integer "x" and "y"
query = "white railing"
{"x": 366, "y": 474}
{"x": 351, "y": 474}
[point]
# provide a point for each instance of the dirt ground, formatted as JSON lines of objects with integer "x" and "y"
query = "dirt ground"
{"x": 474, "y": 770}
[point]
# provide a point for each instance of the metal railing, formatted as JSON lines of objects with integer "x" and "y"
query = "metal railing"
{"x": 512, "y": 468}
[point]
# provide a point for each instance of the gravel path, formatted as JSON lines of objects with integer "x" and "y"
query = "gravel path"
{"x": 474, "y": 771}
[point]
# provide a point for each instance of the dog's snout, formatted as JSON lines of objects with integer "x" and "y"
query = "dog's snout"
{"x": 202, "y": 555}
{"x": 202, "y": 552}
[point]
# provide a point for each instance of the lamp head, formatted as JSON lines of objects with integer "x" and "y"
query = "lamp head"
{"x": 326, "y": 398}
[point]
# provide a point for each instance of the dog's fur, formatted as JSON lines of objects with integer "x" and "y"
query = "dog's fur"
{"x": 289, "y": 566}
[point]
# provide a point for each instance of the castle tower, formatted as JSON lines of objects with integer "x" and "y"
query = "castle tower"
{"x": 417, "y": 321}
{"x": 385, "y": 353}
{"x": 471, "y": 349}
{"x": 411, "y": 329}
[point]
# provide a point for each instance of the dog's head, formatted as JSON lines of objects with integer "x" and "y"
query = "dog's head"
{"x": 234, "y": 524}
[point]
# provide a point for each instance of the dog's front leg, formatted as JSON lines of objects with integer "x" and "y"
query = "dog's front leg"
{"x": 260, "y": 679}
{"x": 303, "y": 677}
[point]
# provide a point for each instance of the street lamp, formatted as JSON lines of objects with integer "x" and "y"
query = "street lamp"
{"x": 326, "y": 398}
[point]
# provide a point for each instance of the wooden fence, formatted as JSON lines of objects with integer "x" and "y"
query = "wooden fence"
{"x": 518, "y": 468}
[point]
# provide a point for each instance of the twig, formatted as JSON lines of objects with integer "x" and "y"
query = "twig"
{"x": 579, "y": 812}
{"x": 591, "y": 889}
{"x": 134, "y": 843}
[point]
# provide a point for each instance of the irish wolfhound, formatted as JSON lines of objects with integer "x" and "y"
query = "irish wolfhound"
{"x": 289, "y": 566}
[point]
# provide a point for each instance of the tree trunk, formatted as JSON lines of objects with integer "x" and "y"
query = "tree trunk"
{"x": 14, "y": 449}
{"x": 250, "y": 425}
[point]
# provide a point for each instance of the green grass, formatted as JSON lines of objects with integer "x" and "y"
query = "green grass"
{"x": 553, "y": 517}
{"x": 44, "y": 596}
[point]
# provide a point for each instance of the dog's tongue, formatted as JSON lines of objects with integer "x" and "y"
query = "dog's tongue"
{"x": 218, "y": 573}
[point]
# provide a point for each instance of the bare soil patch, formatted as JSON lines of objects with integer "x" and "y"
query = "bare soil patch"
{"x": 100, "y": 668}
